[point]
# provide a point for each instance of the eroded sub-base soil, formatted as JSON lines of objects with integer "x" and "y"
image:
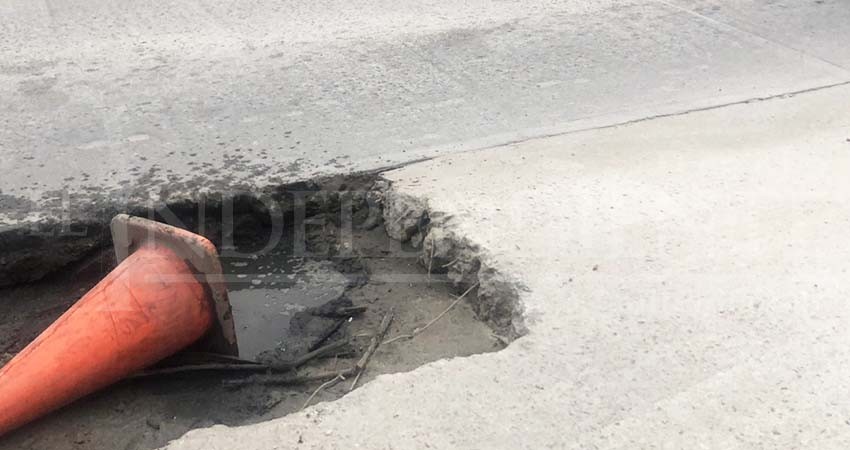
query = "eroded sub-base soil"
{"x": 146, "y": 413}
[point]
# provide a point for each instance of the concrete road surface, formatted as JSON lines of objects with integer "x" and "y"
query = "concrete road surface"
{"x": 103, "y": 99}
{"x": 687, "y": 287}
{"x": 685, "y": 269}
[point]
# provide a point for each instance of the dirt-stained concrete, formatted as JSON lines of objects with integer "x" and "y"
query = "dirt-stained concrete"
{"x": 107, "y": 105}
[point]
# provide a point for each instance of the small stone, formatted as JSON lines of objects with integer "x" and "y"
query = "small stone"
{"x": 152, "y": 423}
{"x": 273, "y": 399}
{"x": 80, "y": 439}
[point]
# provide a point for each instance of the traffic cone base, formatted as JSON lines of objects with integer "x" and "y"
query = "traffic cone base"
{"x": 129, "y": 233}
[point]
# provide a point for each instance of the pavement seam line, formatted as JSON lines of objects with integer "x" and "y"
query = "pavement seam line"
{"x": 685, "y": 112}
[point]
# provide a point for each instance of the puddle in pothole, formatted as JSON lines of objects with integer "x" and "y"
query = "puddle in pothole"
{"x": 269, "y": 293}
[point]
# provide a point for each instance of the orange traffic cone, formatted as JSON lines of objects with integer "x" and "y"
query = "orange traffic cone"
{"x": 166, "y": 294}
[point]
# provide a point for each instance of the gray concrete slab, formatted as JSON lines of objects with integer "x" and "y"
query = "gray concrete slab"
{"x": 687, "y": 288}
{"x": 99, "y": 99}
{"x": 805, "y": 27}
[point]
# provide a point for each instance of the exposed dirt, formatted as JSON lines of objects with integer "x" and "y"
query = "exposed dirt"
{"x": 267, "y": 292}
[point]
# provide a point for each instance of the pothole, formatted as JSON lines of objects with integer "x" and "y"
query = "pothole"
{"x": 306, "y": 266}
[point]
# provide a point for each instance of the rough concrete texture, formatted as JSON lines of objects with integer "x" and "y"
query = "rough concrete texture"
{"x": 408, "y": 218}
{"x": 108, "y": 104}
{"x": 113, "y": 106}
{"x": 687, "y": 288}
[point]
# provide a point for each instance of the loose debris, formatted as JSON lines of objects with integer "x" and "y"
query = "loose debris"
{"x": 335, "y": 376}
{"x": 373, "y": 346}
{"x": 338, "y": 377}
{"x": 363, "y": 362}
{"x": 310, "y": 329}
{"x": 289, "y": 377}
{"x": 246, "y": 366}
{"x": 417, "y": 331}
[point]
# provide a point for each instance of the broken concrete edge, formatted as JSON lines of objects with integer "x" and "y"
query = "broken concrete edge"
{"x": 410, "y": 219}
{"x": 37, "y": 248}
{"x": 45, "y": 242}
